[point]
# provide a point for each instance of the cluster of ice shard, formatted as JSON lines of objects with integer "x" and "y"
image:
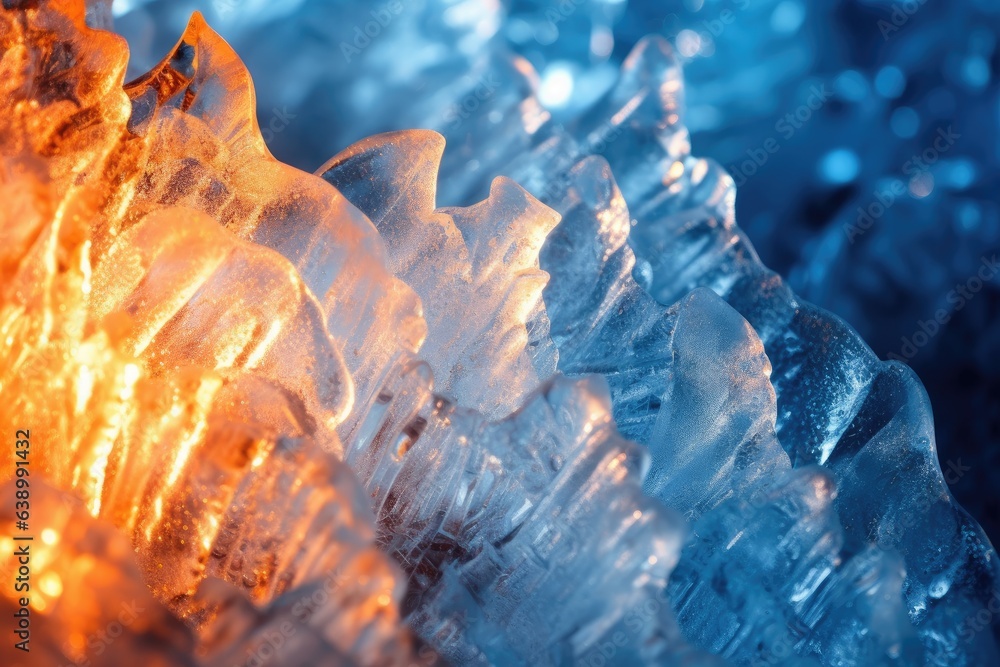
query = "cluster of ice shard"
{"x": 693, "y": 383}
{"x": 203, "y": 336}
{"x": 142, "y": 350}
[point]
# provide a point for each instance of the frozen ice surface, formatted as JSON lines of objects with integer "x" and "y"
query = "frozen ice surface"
{"x": 153, "y": 293}
{"x": 151, "y": 399}
{"x": 204, "y": 470}
{"x": 195, "y": 113}
{"x": 475, "y": 269}
{"x": 536, "y": 500}
{"x": 448, "y": 487}
{"x": 821, "y": 529}
{"x": 866, "y": 422}
{"x": 91, "y": 604}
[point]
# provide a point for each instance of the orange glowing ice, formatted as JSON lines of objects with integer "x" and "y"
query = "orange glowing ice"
{"x": 208, "y": 345}
{"x": 179, "y": 380}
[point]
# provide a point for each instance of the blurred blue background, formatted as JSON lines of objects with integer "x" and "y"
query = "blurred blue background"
{"x": 863, "y": 136}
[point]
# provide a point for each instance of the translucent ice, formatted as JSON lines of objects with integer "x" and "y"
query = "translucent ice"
{"x": 165, "y": 334}
{"x": 209, "y": 460}
{"x": 486, "y": 255}
{"x": 215, "y": 335}
{"x": 206, "y": 470}
{"x": 836, "y": 404}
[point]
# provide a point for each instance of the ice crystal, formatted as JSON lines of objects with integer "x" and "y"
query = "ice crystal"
{"x": 220, "y": 352}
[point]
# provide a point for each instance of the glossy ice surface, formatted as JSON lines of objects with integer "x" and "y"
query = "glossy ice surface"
{"x": 324, "y": 408}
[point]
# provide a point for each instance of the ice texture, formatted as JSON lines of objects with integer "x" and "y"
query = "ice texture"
{"x": 194, "y": 112}
{"x": 837, "y": 404}
{"x": 866, "y": 422}
{"x": 209, "y": 461}
{"x": 486, "y": 254}
{"x": 433, "y": 468}
{"x": 219, "y": 329}
{"x": 207, "y": 472}
{"x": 92, "y": 606}
{"x": 199, "y": 383}
{"x": 891, "y": 94}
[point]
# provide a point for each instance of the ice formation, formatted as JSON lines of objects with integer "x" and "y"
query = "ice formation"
{"x": 837, "y": 405}
{"x": 409, "y": 433}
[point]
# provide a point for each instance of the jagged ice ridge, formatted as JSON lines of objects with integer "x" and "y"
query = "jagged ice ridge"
{"x": 295, "y": 324}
